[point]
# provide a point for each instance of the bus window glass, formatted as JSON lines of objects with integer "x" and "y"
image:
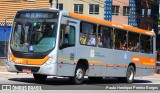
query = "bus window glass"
{"x": 88, "y": 34}
{"x": 105, "y": 37}
{"x": 120, "y": 39}
{"x": 33, "y": 36}
{"x": 67, "y": 38}
{"x": 146, "y": 44}
{"x": 18, "y": 37}
{"x": 133, "y": 42}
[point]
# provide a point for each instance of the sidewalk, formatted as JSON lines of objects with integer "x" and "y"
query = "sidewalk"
{"x": 155, "y": 76}
{"x": 3, "y": 69}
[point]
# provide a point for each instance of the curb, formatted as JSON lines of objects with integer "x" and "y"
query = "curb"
{"x": 11, "y": 73}
{"x": 3, "y": 69}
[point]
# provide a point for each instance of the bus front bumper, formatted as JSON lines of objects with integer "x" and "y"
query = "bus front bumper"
{"x": 45, "y": 69}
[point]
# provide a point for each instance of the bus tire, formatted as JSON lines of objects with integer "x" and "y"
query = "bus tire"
{"x": 78, "y": 76}
{"x": 95, "y": 78}
{"x": 39, "y": 77}
{"x": 130, "y": 74}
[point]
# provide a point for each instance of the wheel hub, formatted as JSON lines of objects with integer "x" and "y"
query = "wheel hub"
{"x": 79, "y": 74}
{"x": 131, "y": 74}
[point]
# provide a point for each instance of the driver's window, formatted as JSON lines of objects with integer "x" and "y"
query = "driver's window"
{"x": 67, "y": 35}
{"x": 19, "y": 34}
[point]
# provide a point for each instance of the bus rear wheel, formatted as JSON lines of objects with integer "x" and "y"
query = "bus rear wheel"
{"x": 39, "y": 77}
{"x": 129, "y": 76}
{"x": 78, "y": 76}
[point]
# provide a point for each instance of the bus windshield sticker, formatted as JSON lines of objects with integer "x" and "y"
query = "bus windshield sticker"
{"x": 31, "y": 48}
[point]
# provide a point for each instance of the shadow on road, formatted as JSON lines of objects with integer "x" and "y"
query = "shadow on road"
{"x": 65, "y": 81}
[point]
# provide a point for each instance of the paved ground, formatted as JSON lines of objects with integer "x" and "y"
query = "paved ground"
{"x": 3, "y": 69}
{"x": 61, "y": 85}
{"x": 13, "y": 78}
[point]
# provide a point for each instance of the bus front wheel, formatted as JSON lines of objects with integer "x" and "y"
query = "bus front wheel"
{"x": 79, "y": 75}
{"x": 39, "y": 77}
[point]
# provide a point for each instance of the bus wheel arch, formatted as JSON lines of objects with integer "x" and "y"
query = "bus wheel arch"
{"x": 84, "y": 63}
{"x": 131, "y": 70}
{"x": 80, "y": 70}
{"x": 134, "y": 66}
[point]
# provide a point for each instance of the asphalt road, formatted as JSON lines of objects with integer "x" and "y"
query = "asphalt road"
{"x": 63, "y": 84}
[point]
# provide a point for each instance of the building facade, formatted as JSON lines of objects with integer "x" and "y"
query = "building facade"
{"x": 93, "y": 8}
{"x": 138, "y": 13}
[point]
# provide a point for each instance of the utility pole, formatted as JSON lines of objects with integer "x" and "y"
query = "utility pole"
{"x": 54, "y": 4}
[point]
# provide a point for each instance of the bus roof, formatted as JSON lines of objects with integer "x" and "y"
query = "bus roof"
{"x": 39, "y": 10}
{"x": 111, "y": 24}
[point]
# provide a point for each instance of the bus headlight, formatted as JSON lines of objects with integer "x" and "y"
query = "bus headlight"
{"x": 49, "y": 61}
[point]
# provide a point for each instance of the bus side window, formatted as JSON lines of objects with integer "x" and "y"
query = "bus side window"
{"x": 146, "y": 44}
{"x": 19, "y": 35}
{"x": 120, "y": 39}
{"x": 67, "y": 36}
{"x": 105, "y": 38}
{"x": 88, "y": 34}
{"x": 133, "y": 42}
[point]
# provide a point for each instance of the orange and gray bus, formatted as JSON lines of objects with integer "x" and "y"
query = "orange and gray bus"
{"x": 48, "y": 42}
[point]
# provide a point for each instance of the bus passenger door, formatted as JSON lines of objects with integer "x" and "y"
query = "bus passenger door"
{"x": 67, "y": 50}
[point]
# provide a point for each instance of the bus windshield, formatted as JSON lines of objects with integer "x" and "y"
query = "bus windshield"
{"x": 34, "y": 36}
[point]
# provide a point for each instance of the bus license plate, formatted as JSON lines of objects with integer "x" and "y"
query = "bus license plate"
{"x": 26, "y": 70}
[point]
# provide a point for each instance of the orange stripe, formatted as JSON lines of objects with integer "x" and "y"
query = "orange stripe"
{"x": 25, "y": 61}
{"x": 103, "y": 22}
{"x": 143, "y": 61}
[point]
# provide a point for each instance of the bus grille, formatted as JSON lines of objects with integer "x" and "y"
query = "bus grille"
{"x": 33, "y": 69}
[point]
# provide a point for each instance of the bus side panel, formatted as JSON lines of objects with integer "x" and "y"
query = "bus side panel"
{"x": 95, "y": 70}
{"x": 67, "y": 56}
{"x": 112, "y": 62}
{"x": 66, "y": 65}
{"x": 66, "y": 69}
{"x": 116, "y": 71}
{"x": 103, "y": 62}
{"x": 144, "y": 71}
